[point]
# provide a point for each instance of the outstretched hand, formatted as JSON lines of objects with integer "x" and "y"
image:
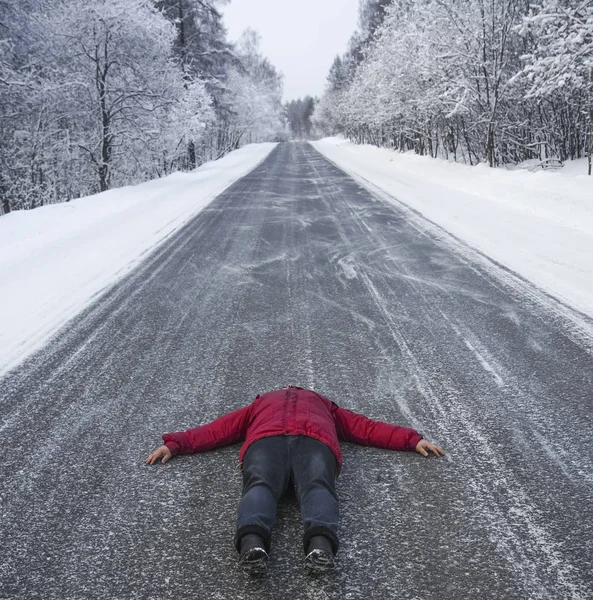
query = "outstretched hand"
{"x": 423, "y": 446}
{"x": 161, "y": 451}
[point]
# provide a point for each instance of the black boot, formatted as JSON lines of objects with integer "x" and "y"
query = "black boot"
{"x": 320, "y": 555}
{"x": 253, "y": 557}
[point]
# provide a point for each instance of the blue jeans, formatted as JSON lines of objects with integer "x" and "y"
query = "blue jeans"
{"x": 269, "y": 466}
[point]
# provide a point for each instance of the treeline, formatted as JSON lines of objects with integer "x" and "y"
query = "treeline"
{"x": 102, "y": 93}
{"x": 496, "y": 81}
{"x": 298, "y": 115}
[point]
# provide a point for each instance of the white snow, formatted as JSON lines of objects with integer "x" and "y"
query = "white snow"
{"x": 538, "y": 224}
{"x": 55, "y": 259}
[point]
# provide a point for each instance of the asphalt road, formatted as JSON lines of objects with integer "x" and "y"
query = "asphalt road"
{"x": 297, "y": 274}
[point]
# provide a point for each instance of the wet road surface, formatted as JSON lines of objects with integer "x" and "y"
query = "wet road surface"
{"x": 297, "y": 274}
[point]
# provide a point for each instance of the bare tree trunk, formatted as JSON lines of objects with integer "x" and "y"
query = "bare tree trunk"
{"x": 191, "y": 152}
{"x": 590, "y": 118}
{"x": 5, "y": 201}
{"x": 191, "y": 147}
{"x": 490, "y": 144}
{"x": 101, "y": 81}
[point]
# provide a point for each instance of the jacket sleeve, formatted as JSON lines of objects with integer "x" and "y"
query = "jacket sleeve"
{"x": 225, "y": 430}
{"x": 352, "y": 427}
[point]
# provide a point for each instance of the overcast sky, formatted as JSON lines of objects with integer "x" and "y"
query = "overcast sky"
{"x": 300, "y": 37}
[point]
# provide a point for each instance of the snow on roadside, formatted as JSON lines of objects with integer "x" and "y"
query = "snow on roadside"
{"x": 538, "y": 224}
{"x": 54, "y": 260}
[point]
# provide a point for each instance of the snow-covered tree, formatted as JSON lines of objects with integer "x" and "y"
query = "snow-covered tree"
{"x": 562, "y": 55}
{"x": 101, "y": 93}
{"x": 255, "y": 88}
{"x": 16, "y": 80}
{"x": 561, "y": 60}
{"x": 203, "y": 52}
{"x": 298, "y": 115}
{"x": 123, "y": 83}
{"x": 240, "y": 81}
{"x": 441, "y": 77}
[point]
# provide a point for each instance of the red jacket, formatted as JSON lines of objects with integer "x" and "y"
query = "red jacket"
{"x": 292, "y": 411}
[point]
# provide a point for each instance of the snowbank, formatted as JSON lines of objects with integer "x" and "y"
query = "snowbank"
{"x": 538, "y": 224}
{"x": 55, "y": 259}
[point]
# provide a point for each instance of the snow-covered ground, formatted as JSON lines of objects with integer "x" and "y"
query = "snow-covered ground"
{"x": 55, "y": 259}
{"x": 538, "y": 224}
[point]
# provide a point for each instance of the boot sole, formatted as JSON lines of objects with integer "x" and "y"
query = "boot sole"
{"x": 317, "y": 564}
{"x": 254, "y": 562}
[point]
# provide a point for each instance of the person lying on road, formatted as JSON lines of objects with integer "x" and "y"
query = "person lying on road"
{"x": 290, "y": 437}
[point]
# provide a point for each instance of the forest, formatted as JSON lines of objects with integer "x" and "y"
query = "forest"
{"x": 105, "y": 93}
{"x": 494, "y": 81}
